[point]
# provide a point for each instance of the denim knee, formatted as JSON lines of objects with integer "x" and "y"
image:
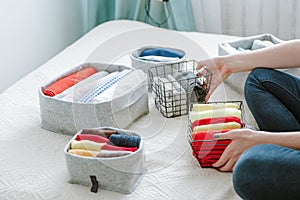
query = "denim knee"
{"x": 254, "y": 79}
{"x": 244, "y": 172}
{"x": 267, "y": 171}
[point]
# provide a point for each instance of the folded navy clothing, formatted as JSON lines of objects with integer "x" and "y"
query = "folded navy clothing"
{"x": 166, "y": 52}
{"x": 125, "y": 140}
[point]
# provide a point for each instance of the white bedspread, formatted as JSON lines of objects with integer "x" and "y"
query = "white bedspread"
{"x": 32, "y": 163}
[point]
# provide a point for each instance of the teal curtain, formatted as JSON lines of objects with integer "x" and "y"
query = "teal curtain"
{"x": 175, "y": 14}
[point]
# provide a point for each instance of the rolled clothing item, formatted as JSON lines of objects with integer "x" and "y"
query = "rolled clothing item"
{"x": 193, "y": 85}
{"x": 211, "y": 106}
{"x": 111, "y": 154}
{"x": 83, "y": 152}
{"x": 91, "y": 137}
{"x": 222, "y": 112}
{"x": 99, "y": 84}
{"x": 217, "y": 126}
{"x": 86, "y": 145}
{"x": 216, "y": 120}
{"x": 172, "y": 98}
{"x": 118, "y": 148}
{"x": 68, "y": 81}
{"x": 78, "y": 90}
{"x": 259, "y": 44}
{"x": 165, "y": 52}
{"x": 101, "y": 132}
{"x": 125, "y": 140}
{"x": 130, "y": 81}
{"x": 101, "y": 87}
{"x": 207, "y": 135}
{"x": 159, "y": 58}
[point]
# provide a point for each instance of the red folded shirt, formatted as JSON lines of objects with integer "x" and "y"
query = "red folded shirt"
{"x": 206, "y": 135}
{"x": 68, "y": 81}
{"x": 94, "y": 138}
{"x": 216, "y": 120}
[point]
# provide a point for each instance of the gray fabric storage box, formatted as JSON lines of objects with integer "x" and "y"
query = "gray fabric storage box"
{"x": 120, "y": 174}
{"x": 144, "y": 65}
{"x": 237, "y": 80}
{"x": 69, "y": 117}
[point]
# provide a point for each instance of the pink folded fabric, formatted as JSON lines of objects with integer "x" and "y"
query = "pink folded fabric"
{"x": 68, "y": 81}
{"x": 91, "y": 137}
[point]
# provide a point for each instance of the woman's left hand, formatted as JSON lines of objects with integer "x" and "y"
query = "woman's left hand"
{"x": 241, "y": 140}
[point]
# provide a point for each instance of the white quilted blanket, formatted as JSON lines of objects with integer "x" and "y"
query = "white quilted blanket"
{"x": 32, "y": 163}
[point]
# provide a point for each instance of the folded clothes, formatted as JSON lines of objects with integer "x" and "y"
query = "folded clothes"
{"x": 99, "y": 83}
{"x": 95, "y": 146}
{"x": 172, "y": 99}
{"x": 159, "y": 58}
{"x": 125, "y": 140}
{"x": 77, "y": 91}
{"x": 86, "y": 145}
{"x": 82, "y": 152}
{"x": 98, "y": 154}
{"x": 217, "y": 126}
{"x": 215, "y": 120}
{"x": 166, "y": 52}
{"x": 68, "y": 81}
{"x": 207, "y": 135}
{"x": 91, "y": 137}
{"x": 194, "y": 86}
{"x": 128, "y": 82}
{"x": 96, "y": 131}
{"x": 118, "y": 148}
{"x": 222, "y": 112}
{"x": 101, "y": 87}
{"x": 110, "y": 154}
{"x": 197, "y": 146}
{"x": 211, "y": 106}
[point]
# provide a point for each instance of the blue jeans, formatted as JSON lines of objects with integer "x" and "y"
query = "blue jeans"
{"x": 269, "y": 171}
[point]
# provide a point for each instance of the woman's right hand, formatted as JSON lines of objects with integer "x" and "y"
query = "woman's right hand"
{"x": 219, "y": 70}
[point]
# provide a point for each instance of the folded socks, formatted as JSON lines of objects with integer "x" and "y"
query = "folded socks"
{"x": 125, "y": 140}
{"x": 68, "y": 81}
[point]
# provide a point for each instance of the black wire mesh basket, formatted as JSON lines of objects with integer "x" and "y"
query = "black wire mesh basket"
{"x": 175, "y": 85}
{"x": 205, "y": 148}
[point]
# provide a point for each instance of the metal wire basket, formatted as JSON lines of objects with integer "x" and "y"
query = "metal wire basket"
{"x": 205, "y": 149}
{"x": 175, "y": 85}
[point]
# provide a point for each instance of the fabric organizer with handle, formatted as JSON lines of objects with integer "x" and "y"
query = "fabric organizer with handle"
{"x": 120, "y": 174}
{"x": 67, "y": 117}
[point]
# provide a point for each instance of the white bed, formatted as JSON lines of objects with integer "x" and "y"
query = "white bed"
{"x": 32, "y": 163}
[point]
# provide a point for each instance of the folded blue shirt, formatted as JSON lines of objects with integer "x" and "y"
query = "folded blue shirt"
{"x": 166, "y": 52}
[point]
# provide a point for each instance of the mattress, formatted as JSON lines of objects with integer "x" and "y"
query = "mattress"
{"x": 32, "y": 162}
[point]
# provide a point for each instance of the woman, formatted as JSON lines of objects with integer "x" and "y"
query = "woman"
{"x": 265, "y": 163}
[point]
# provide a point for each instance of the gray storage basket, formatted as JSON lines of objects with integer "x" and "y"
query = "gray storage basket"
{"x": 119, "y": 174}
{"x": 237, "y": 80}
{"x": 70, "y": 117}
{"x": 144, "y": 65}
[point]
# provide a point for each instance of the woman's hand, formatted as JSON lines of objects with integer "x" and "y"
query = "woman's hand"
{"x": 241, "y": 140}
{"x": 219, "y": 72}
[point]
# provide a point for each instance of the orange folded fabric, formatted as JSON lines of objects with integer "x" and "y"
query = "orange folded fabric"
{"x": 68, "y": 81}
